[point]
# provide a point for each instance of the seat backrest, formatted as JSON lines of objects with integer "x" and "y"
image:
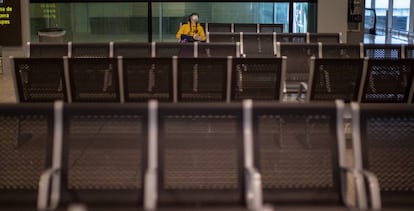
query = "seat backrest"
{"x": 292, "y": 37}
{"x": 47, "y": 50}
{"x": 332, "y": 79}
{"x": 218, "y": 49}
{"x": 93, "y": 79}
{"x": 200, "y": 154}
{"x": 26, "y": 132}
{"x": 164, "y": 49}
{"x": 219, "y": 27}
{"x": 333, "y": 50}
{"x": 325, "y": 37}
{"x": 409, "y": 51}
{"x": 278, "y": 28}
{"x": 257, "y": 78}
{"x": 245, "y": 27}
{"x": 385, "y": 140}
{"x": 202, "y": 79}
{"x": 258, "y": 44}
{"x": 382, "y": 51}
{"x": 90, "y": 50}
{"x": 39, "y": 79}
{"x": 297, "y": 148}
{"x": 132, "y": 49}
{"x": 147, "y": 78}
{"x": 104, "y": 156}
{"x": 387, "y": 81}
{"x": 226, "y": 37}
{"x": 298, "y": 57}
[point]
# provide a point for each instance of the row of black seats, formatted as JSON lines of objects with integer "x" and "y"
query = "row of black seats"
{"x": 242, "y": 27}
{"x": 219, "y": 156}
{"x": 210, "y": 79}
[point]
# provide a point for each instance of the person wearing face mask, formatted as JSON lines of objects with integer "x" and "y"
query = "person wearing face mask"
{"x": 191, "y": 31}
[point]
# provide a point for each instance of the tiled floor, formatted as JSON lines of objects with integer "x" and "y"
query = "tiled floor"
{"x": 7, "y": 94}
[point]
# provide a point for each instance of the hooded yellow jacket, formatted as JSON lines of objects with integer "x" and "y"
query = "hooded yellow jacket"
{"x": 190, "y": 31}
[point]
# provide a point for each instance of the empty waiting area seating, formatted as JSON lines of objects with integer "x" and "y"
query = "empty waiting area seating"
{"x": 341, "y": 50}
{"x": 378, "y": 51}
{"x": 383, "y": 139}
{"x": 258, "y": 44}
{"x": 47, "y": 50}
{"x": 26, "y": 133}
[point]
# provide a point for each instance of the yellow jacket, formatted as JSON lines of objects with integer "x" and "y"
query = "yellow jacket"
{"x": 190, "y": 31}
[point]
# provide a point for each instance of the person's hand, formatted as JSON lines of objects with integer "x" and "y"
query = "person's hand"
{"x": 196, "y": 37}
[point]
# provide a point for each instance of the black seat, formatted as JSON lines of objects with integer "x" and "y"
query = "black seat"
{"x": 332, "y": 50}
{"x": 383, "y": 138}
{"x": 245, "y": 27}
{"x": 270, "y": 27}
{"x": 93, "y": 79}
{"x": 90, "y": 50}
{"x": 147, "y": 78}
{"x": 325, "y": 37}
{"x": 218, "y": 49}
{"x": 200, "y": 156}
{"x": 382, "y": 51}
{"x": 409, "y": 51}
{"x": 292, "y": 37}
{"x": 169, "y": 50}
{"x": 258, "y": 44}
{"x": 219, "y": 27}
{"x": 39, "y": 79}
{"x": 47, "y": 50}
{"x": 201, "y": 79}
{"x": 257, "y": 78}
{"x": 26, "y": 132}
{"x": 132, "y": 49}
{"x": 226, "y": 37}
{"x": 387, "y": 81}
{"x": 104, "y": 155}
{"x": 332, "y": 79}
{"x": 299, "y": 152}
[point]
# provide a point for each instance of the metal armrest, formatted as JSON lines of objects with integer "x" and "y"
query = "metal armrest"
{"x": 44, "y": 196}
{"x": 303, "y": 88}
{"x": 374, "y": 189}
{"x": 150, "y": 188}
{"x": 253, "y": 189}
{"x": 359, "y": 187}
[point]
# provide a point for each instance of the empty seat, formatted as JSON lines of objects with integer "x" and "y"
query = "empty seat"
{"x": 219, "y": 27}
{"x": 387, "y": 81}
{"x": 147, "y": 78}
{"x": 325, "y": 37}
{"x": 200, "y": 79}
{"x": 380, "y": 51}
{"x": 200, "y": 156}
{"x": 104, "y": 156}
{"x": 409, "y": 51}
{"x": 26, "y": 132}
{"x": 258, "y": 44}
{"x": 90, "y": 50}
{"x": 132, "y": 49}
{"x": 245, "y": 27}
{"x": 231, "y": 37}
{"x": 298, "y": 57}
{"x": 47, "y": 50}
{"x": 332, "y": 79}
{"x": 174, "y": 49}
{"x": 219, "y": 49}
{"x": 383, "y": 136}
{"x": 292, "y": 37}
{"x": 264, "y": 27}
{"x": 39, "y": 79}
{"x": 300, "y": 152}
{"x": 93, "y": 79}
{"x": 333, "y": 50}
{"x": 257, "y": 78}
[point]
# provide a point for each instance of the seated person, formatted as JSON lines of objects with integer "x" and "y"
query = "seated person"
{"x": 191, "y": 31}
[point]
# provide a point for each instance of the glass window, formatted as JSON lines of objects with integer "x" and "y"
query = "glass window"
{"x": 401, "y": 15}
{"x": 381, "y": 8}
{"x": 304, "y": 17}
{"x": 92, "y": 22}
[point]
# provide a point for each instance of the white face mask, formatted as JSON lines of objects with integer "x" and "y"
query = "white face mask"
{"x": 194, "y": 18}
